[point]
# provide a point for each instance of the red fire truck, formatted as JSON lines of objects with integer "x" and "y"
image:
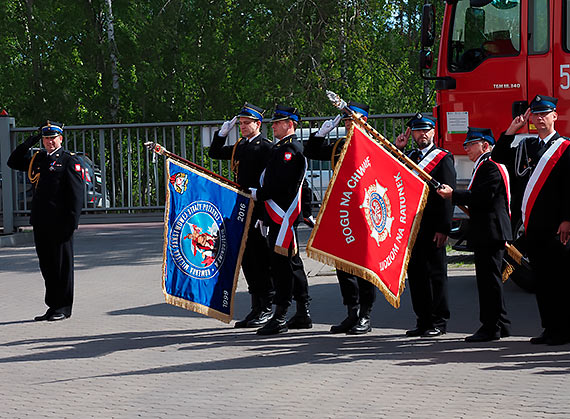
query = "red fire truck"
{"x": 494, "y": 57}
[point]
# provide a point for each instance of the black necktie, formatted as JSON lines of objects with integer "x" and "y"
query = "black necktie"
{"x": 415, "y": 156}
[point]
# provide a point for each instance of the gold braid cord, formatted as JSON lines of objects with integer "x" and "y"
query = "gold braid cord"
{"x": 33, "y": 177}
{"x": 234, "y": 166}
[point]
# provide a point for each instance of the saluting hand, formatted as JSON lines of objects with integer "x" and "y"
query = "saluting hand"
{"x": 402, "y": 139}
{"x": 564, "y": 231}
{"x": 227, "y": 126}
{"x": 518, "y": 123}
{"x": 328, "y": 126}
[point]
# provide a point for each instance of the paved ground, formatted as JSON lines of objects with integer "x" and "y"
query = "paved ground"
{"x": 125, "y": 353}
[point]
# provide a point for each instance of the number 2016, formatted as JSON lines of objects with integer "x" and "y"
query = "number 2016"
{"x": 241, "y": 212}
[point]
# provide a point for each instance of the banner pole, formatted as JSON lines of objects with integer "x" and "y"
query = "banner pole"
{"x": 342, "y": 105}
{"x": 158, "y": 149}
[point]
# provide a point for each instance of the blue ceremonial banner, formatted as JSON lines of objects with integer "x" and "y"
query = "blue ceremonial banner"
{"x": 206, "y": 224}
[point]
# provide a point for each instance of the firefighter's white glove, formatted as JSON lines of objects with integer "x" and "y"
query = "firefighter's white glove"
{"x": 263, "y": 228}
{"x": 253, "y": 192}
{"x": 328, "y": 126}
{"x": 227, "y": 127}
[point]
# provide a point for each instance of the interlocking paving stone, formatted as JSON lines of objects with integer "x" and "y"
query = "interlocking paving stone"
{"x": 125, "y": 353}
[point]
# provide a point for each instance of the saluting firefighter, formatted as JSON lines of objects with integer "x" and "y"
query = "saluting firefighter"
{"x": 427, "y": 268}
{"x": 488, "y": 201}
{"x": 248, "y": 158}
{"x": 280, "y": 192}
{"x": 56, "y": 206}
{"x": 358, "y": 294}
{"x": 545, "y": 207}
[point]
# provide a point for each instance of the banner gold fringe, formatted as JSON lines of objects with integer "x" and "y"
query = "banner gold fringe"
{"x": 189, "y": 305}
{"x": 350, "y": 267}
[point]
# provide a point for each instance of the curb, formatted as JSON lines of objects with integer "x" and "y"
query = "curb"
{"x": 24, "y": 238}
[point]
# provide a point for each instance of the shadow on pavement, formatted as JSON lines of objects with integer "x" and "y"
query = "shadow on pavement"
{"x": 97, "y": 246}
{"x": 296, "y": 348}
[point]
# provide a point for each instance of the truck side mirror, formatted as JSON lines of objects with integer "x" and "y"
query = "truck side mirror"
{"x": 428, "y": 25}
{"x": 479, "y": 3}
{"x": 426, "y": 59}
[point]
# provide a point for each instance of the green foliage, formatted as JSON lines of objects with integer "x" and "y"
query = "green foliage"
{"x": 201, "y": 59}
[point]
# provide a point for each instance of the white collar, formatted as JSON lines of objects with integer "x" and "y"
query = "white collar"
{"x": 425, "y": 150}
{"x": 247, "y": 140}
{"x": 547, "y": 139}
{"x": 54, "y": 151}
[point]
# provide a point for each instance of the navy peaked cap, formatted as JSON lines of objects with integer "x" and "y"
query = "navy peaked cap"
{"x": 421, "y": 121}
{"x": 478, "y": 134}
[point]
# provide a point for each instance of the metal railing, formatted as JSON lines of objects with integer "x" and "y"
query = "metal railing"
{"x": 127, "y": 181}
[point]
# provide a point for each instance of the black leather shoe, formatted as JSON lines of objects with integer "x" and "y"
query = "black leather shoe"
{"x": 542, "y": 339}
{"x": 300, "y": 322}
{"x": 261, "y": 319}
{"x": 505, "y": 333}
{"x": 56, "y": 317}
{"x": 344, "y": 326}
{"x": 255, "y": 310}
{"x": 43, "y": 317}
{"x": 415, "y": 332}
{"x": 273, "y": 327}
{"x": 431, "y": 333}
{"x": 481, "y": 336}
{"x": 349, "y": 322}
{"x": 302, "y": 318}
{"x": 362, "y": 327}
{"x": 277, "y": 324}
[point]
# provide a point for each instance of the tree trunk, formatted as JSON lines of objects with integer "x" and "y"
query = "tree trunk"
{"x": 37, "y": 85}
{"x": 113, "y": 53}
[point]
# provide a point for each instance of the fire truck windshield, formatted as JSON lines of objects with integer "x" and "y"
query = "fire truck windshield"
{"x": 480, "y": 33}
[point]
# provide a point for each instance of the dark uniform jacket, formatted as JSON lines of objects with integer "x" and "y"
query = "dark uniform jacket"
{"x": 552, "y": 205}
{"x": 58, "y": 191}
{"x": 438, "y": 212}
{"x": 488, "y": 205}
{"x": 248, "y": 159}
{"x": 284, "y": 172}
{"x": 317, "y": 148}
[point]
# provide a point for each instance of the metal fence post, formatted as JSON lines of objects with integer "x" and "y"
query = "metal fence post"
{"x": 7, "y": 175}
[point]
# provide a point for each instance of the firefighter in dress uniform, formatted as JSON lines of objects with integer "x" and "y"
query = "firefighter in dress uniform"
{"x": 427, "y": 268}
{"x": 358, "y": 294}
{"x": 248, "y": 158}
{"x": 58, "y": 190}
{"x": 544, "y": 164}
{"x": 280, "y": 192}
{"x": 488, "y": 201}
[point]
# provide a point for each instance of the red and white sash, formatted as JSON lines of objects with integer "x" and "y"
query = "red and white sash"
{"x": 540, "y": 174}
{"x": 504, "y": 175}
{"x": 286, "y": 219}
{"x": 431, "y": 160}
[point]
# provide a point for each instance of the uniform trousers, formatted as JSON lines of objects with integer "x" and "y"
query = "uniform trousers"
{"x": 550, "y": 262}
{"x": 255, "y": 264}
{"x": 55, "y": 254}
{"x": 288, "y": 272}
{"x": 492, "y": 309}
{"x": 355, "y": 290}
{"x": 427, "y": 276}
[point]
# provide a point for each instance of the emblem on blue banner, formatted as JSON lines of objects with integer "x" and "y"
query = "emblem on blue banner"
{"x": 179, "y": 181}
{"x": 198, "y": 241}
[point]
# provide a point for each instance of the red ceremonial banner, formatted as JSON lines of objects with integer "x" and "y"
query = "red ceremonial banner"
{"x": 370, "y": 216}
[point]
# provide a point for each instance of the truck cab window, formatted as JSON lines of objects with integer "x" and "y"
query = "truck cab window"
{"x": 565, "y": 25}
{"x": 539, "y": 28}
{"x": 479, "y": 33}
